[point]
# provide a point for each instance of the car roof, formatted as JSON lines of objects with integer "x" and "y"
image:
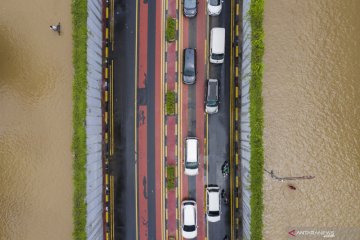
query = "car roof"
{"x": 191, "y": 149}
{"x": 212, "y": 89}
{"x": 214, "y": 200}
{"x": 189, "y": 215}
{"x": 190, "y": 3}
{"x": 218, "y": 40}
{"x": 189, "y": 58}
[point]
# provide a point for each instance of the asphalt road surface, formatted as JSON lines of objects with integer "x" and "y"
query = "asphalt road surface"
{"x": 218, "y": 126}
{"x": 122, "y": 163}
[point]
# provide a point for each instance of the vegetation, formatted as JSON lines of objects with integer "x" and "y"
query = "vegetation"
{"x": 79, "y": 13}
{"x": 170, "y": 177}
{"x": 170, "y": 33}
{"x": 256, "y": 119}
{"x": 170, "y": 103}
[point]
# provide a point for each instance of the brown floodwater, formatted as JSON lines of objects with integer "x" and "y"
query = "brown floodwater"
{"x": 311, "y": 96}
{"x": 35, "y": 123}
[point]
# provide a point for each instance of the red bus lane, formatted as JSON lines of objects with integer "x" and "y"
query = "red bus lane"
{"x": 158, "y": 116}
{"x": 184, "y": 115}
{"x": 143, "y": 41}
{"x": 200, "y": 116}
{"x": 142, "y": 173}
{"x": 143, "y": 216}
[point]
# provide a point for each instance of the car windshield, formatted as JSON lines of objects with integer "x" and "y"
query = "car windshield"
{"x": 191, "y": 165}
{"x": 211, "y": 103}
{"x": 189, "y": 228}
{"x": 217, "y": 56}
{"x": 213, "y": 213}
{"x": 189, "y": 71}
{"x": 190, "y": 4}
{"x": 214, "y": 2}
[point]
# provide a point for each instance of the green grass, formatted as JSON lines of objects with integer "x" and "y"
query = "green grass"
{"x": 256, "y": 119}
{"x": 170, "y": 103}
{"x": 170, "y": 177}
{"x": 79, "y": 14}
{"x": 170, "y": 33}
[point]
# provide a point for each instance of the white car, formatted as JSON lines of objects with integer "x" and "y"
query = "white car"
{"x": 191, "y": 156}
{"x": 213, "y": 210}
{"x": 189, "y": 219}
{"x": 214, "y": 7}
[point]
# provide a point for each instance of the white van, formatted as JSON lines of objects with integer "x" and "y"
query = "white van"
{"x": 217, "y": 45}
{"x": 191, "y": 156}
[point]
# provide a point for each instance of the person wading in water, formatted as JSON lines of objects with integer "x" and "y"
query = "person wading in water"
{"x": 56, "y": 28}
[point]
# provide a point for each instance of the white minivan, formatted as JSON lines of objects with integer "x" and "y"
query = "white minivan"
{"x": 213, "y": 205}
{"x": 217, "y": 45}
{"x": 191, "y": 156}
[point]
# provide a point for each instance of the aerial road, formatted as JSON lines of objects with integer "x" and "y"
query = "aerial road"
{"x": 147, "y": 140}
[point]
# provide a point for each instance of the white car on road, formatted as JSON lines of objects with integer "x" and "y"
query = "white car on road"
{"x": 189, "y": 219}
{"x": 191, "y": 156}
{"x": 214, "y": 7}
{"x": 213, "y": 205}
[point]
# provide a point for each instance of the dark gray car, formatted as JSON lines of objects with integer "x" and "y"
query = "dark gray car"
{"x": 189, "y": 66}
{"x": 212, "y": 96}
{"x": 190, "y": 8}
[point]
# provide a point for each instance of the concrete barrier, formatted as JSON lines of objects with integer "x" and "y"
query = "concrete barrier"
{"x": 94, "y": 171}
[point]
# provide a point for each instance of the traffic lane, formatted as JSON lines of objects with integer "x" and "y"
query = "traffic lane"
{"x": 219, "y": 126}
{"x": 122, "y": 165}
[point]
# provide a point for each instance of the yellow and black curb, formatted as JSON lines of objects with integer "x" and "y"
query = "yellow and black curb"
{"x": 237, "y": 62}
{"x": 107, "y": 113}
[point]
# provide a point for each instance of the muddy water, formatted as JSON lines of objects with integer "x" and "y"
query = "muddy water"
{"x": 312, "y": 116}
{"x": 35, "y": 121}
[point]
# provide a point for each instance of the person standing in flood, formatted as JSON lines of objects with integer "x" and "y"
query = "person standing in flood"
{"x": 56, "y": 28}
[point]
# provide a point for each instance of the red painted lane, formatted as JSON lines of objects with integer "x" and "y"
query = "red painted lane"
{"x": 171, "y": 140}
{"x": 200, "y": 117}
{"x": 142, "y": 173}
{"x": 184, "y": 117}
{"x": 172, "y": 8}
{"x": 158, "y": 116}
{"x": 171, "y": 148}
{"x": 143, "y": 42}
{"x": 171, "y": 58}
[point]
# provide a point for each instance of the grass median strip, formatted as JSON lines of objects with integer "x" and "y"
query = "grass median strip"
{"x": 170, "y": 33}
{"x": 256, "y": 119}
{"x": 170, "y": 103}
{"x": 170, "y": 177}
{"x": 79, "y": 25}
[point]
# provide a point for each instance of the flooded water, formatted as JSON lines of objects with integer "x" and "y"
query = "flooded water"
{"x": 312, "y": 116}
{"x": 35, "y": 121}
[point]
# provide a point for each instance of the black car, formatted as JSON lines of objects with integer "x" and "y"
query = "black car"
{"x": 189, "y": 66}
{"x": 190, "y": 8}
